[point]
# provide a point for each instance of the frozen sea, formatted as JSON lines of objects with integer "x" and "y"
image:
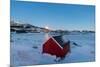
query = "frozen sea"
{"x": 26, "y": 49}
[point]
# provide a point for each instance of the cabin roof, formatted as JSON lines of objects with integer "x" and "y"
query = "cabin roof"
{"x": 59, "y": 40}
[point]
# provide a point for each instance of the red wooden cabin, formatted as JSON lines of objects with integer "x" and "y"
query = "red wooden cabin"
{"x": 56, "y": 46}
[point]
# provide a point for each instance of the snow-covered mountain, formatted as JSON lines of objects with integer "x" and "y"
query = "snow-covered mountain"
{"x": 24, "y": 28}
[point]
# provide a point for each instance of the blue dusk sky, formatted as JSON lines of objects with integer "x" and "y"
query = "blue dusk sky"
{"x": 55, "y": 16}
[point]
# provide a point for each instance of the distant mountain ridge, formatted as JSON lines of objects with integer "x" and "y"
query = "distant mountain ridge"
{"x": 24, "y": 28}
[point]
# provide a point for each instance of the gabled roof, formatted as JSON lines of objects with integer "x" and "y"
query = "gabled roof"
{"x": 59, "y": 40}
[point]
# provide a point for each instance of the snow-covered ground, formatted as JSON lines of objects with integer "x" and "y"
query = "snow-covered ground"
{"x": 26, "y": 49}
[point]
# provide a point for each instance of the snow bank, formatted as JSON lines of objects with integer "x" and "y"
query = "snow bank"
{"x": 26, "y": 49}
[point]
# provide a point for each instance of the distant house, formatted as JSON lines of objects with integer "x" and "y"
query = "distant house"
{"x": 56, "y": 46}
